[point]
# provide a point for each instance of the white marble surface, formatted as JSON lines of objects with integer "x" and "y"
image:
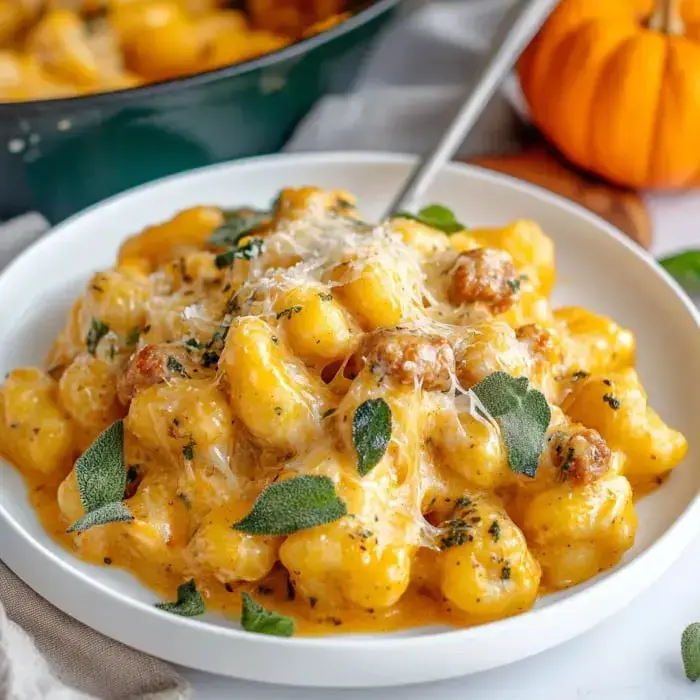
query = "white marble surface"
{"x": 633, "y": 656}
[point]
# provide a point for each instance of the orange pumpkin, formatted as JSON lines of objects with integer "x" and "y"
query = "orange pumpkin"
{"x": 615, "y": 85}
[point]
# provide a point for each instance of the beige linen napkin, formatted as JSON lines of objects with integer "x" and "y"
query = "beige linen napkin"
{"x": 65, "y": 660}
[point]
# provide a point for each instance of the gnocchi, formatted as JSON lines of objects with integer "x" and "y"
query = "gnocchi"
{"x": 54, "y": 49}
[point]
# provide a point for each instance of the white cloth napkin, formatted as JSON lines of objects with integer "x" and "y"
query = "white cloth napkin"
{"x": 65, "y": 660}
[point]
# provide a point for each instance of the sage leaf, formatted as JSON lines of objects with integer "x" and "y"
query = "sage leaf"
{"x": 690, "y": 651}
{"x": 250, "y": 250}
{"x": 238, "y": 223}
{"x": 435, "y": 216}
{"x": 685, "y": 269}
{"x": 189, "y": 601}
{"x": 371, "y": 432}
{"x": 255, "y": 618}
{"x": 292, "y": 505}
{"x": 523, "y": 415}
{"x": 96, "y": 332}
{"x": 101, "y": 475}
{"x": 100, "y": 470}
{"x": 115, "y": 512}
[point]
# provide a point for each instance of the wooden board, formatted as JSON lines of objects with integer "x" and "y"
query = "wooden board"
{"x": 537, "y": 164}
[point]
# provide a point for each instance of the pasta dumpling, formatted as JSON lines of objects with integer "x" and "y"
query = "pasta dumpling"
{"x": 65, "y": 48}
{"x": 616, "y": 405}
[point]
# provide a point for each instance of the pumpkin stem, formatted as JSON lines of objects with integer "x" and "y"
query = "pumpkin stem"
{"x": 667, "y": 17}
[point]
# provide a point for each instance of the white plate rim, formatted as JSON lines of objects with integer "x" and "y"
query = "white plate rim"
{"x": 653, "y": 560}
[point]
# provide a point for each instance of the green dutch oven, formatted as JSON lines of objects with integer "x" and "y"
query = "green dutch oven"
{"x": 59, "y": 156}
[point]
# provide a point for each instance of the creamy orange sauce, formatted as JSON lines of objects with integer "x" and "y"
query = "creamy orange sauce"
{"x": 415, "y": 609}
{"x": 274, "y": 591}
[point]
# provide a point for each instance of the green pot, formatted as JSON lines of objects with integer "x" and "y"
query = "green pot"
{"x": 60, "y": 156}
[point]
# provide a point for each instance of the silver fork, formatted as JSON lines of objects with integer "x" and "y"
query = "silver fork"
{"x": 515, "y": 31}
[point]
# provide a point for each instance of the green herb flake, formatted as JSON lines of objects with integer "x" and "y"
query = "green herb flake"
{"x": 292, "y": 505}
{"x": 215, "y": 346}
{"x": 463, "y": 502}
{"x": 174, "y": 365}
{"x": 685, "y": 269}
{"x": 577, "y": 376}
{"x": 612, "y": 401}
{"x": 255, "y": 618}
{"x": 435, "y": 216}
{"x": 506, "y": 572}
{"x": 101, "y": 475}
{"x": 342, "y": 203}
{"x": 210, "y": 359}
{"x": 568, "y": 461}
{"x": 287, "y": 313}
{"x": 225, "y": 259}
{"x": 238, "y": 223}
{"x": 690, "y": 651}
{"x": 325, "y": 296}
{"x": 371, "y": 432}
{"x": 193, "y": 343}
{"x": 522, "y": 414}
{"x": 220, "y": 335}
{"x": 97, "y": 331}
{"x": 188, "y": 450}
{"x": 250, "y": 250}
{"x": 132, "y": 337}
{"x": 189, "y": 601}
{"x": 457, "y": 532}
{"x": 514, "y": 285}
{"x": 495, "y": 530}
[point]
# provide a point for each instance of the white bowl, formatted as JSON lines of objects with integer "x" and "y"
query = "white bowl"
{"x": 598, "y": 268}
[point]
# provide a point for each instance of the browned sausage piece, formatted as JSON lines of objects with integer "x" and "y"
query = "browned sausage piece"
{"x": 146, "y": 367}
{"x": 484, "y": 275}
{"x": 581, "y": 456}
{"x": 410, "y": 357}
